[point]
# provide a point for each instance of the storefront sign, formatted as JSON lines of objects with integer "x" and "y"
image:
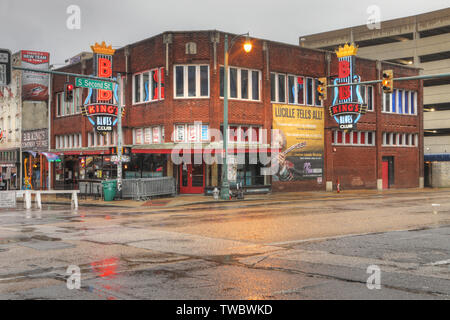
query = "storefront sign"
{"x": 125, "y": 159}
{"x": 7, "y": 199}
{"x": 347, "y": 106}
{"x": 100, "y": 105}
{"x": 299, "y": 135}
{"x": 36, "y": 140}
{"x": 35, "y": 85}
{"x": 2, "y": 134}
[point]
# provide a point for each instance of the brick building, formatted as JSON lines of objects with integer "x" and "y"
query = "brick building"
{"x": 172, "y": 87}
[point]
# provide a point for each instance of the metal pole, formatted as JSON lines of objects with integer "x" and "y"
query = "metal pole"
{"x": 66, "y": 74}
{"x": 424, "y": 77}
{"x": 49, "y": 172}
{"x": 225, "y": 188}
{"x": 119, "y": 137}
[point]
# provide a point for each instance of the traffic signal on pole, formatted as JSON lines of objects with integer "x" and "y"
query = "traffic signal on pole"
{"x": 5, "y": 67}
{"x": 125, "y": 150}
{"x": 388, "y": 81}
{"x": 68, "y": 92}
{"x": 322, "y": 89}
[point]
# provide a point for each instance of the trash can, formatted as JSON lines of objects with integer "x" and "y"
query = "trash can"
{"x": 109, "y": 189}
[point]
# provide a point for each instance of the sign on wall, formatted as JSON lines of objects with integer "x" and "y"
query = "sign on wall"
{"x": 298, "y": 132}
{"x": 100, "y": 105}
{"x": 347, "y": 106}
{"x": 35, "y": 85}
{"x": 35, "y": 140}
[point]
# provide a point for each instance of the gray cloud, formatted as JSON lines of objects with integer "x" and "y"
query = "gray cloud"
{"x": 41, "y": 25}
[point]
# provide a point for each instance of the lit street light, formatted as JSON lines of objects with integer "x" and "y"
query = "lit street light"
{"x": 225, "y": 187}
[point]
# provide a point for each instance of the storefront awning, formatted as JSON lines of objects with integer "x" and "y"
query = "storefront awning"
{"x": 206, "y": 150}
{"x": 437, "y": 157}
{"x": 51, "y": 157}
{"x": 33, "y": 153}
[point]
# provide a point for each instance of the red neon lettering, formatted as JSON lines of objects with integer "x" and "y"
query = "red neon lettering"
{"x": 104, "y": 95}
{"x": 162, "y": 83}
{"x": 91, "y": 109}
{"x": 110, "y": 109}
{"x": 104, "y": 68}
{"x": 344, "y": 69}
{"x": 344, "y": 93}
{"x": 103, "y": 109}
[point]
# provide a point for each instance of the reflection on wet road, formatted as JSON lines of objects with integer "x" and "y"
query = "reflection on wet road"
{"x": 309, "y": 248}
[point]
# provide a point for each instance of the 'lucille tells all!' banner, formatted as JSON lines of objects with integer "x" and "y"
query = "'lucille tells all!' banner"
{"x": 294, "y": 125}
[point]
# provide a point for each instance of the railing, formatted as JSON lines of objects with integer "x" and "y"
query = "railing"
{"x": 142, "y": 189}
{"x": 93, "y": 188}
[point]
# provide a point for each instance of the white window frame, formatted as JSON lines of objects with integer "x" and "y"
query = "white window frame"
{"x": 186, "y": 81}
{"x": 239, "y": 84}
{"x": 353, "y": 143}
{"x": 142, "y": 88}
{"x": 296, "y": 90}
{"x": 406, "y": 95}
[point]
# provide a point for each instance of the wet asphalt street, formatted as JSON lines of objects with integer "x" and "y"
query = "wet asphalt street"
{"x": 294, "y": 248}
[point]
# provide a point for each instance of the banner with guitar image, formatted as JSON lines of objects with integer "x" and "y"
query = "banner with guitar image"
{"x": 298, "y": 132}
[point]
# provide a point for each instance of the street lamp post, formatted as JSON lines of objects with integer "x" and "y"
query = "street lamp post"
{"x": 225, "y": 187}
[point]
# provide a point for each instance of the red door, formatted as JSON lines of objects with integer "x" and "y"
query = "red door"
{"x": 192, "y": 178}
{"x": 385, "y": 172}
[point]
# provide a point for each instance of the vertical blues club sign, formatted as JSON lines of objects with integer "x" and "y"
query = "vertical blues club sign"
{"x": 100, "y": 106}
{"x": 348, "y": 104}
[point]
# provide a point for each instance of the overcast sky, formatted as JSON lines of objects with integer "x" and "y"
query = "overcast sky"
{"x": 41, "y": 25}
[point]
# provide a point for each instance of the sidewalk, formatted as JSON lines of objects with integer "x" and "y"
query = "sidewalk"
{"x": 186, "y": 200}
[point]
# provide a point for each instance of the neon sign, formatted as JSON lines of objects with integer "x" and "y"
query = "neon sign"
{"x": 2, "y": 134}
{"x": 100, "y": 106}
{"x": 348, "y": 104}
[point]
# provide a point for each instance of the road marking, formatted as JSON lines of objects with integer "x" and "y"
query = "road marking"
{"x": 439, "y": 263}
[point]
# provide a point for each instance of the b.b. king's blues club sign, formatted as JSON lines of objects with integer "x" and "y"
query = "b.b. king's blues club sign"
{"x": 348, "y": 104}
{"x": 101, "y": 106}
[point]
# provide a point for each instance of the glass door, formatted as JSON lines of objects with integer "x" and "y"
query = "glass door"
{"x": 192, "y": 178}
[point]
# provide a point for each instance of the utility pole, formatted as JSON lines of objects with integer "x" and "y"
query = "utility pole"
{"x": 119, "y": 137}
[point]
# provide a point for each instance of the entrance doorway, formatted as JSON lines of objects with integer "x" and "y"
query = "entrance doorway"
{"x": 388, "y": 172}
{"x": 192, "y": 178}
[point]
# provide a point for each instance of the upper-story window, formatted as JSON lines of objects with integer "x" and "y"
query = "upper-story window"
{"x": 400, "y": 102}
{"x": 191, "y": 81}
{"x": 293, "y": 89}
{"x": 64, "y": 108}
{"x": 243, "y": 84}
{"x": 367, "y": 95}
{"x": 148, "y": 86}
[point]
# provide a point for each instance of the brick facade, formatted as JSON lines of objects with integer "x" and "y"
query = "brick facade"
{"x": 356, "y": 167}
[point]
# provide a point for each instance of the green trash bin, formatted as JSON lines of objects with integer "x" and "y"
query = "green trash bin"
{"x": 109, "y": 189}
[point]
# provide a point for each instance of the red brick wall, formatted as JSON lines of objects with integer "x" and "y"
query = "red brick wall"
{"x": 357, "y": 167}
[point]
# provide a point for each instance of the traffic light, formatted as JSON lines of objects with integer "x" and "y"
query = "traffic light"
{"x": 322, "y": 89}
{"x": 388, "y": 81}
{"x": 68, "y": 92}
{"x": 125, "y": 150}
{"x": 5, "y": 67}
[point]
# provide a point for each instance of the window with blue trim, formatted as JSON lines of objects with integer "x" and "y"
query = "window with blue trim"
{"x": 400, "y": 102}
